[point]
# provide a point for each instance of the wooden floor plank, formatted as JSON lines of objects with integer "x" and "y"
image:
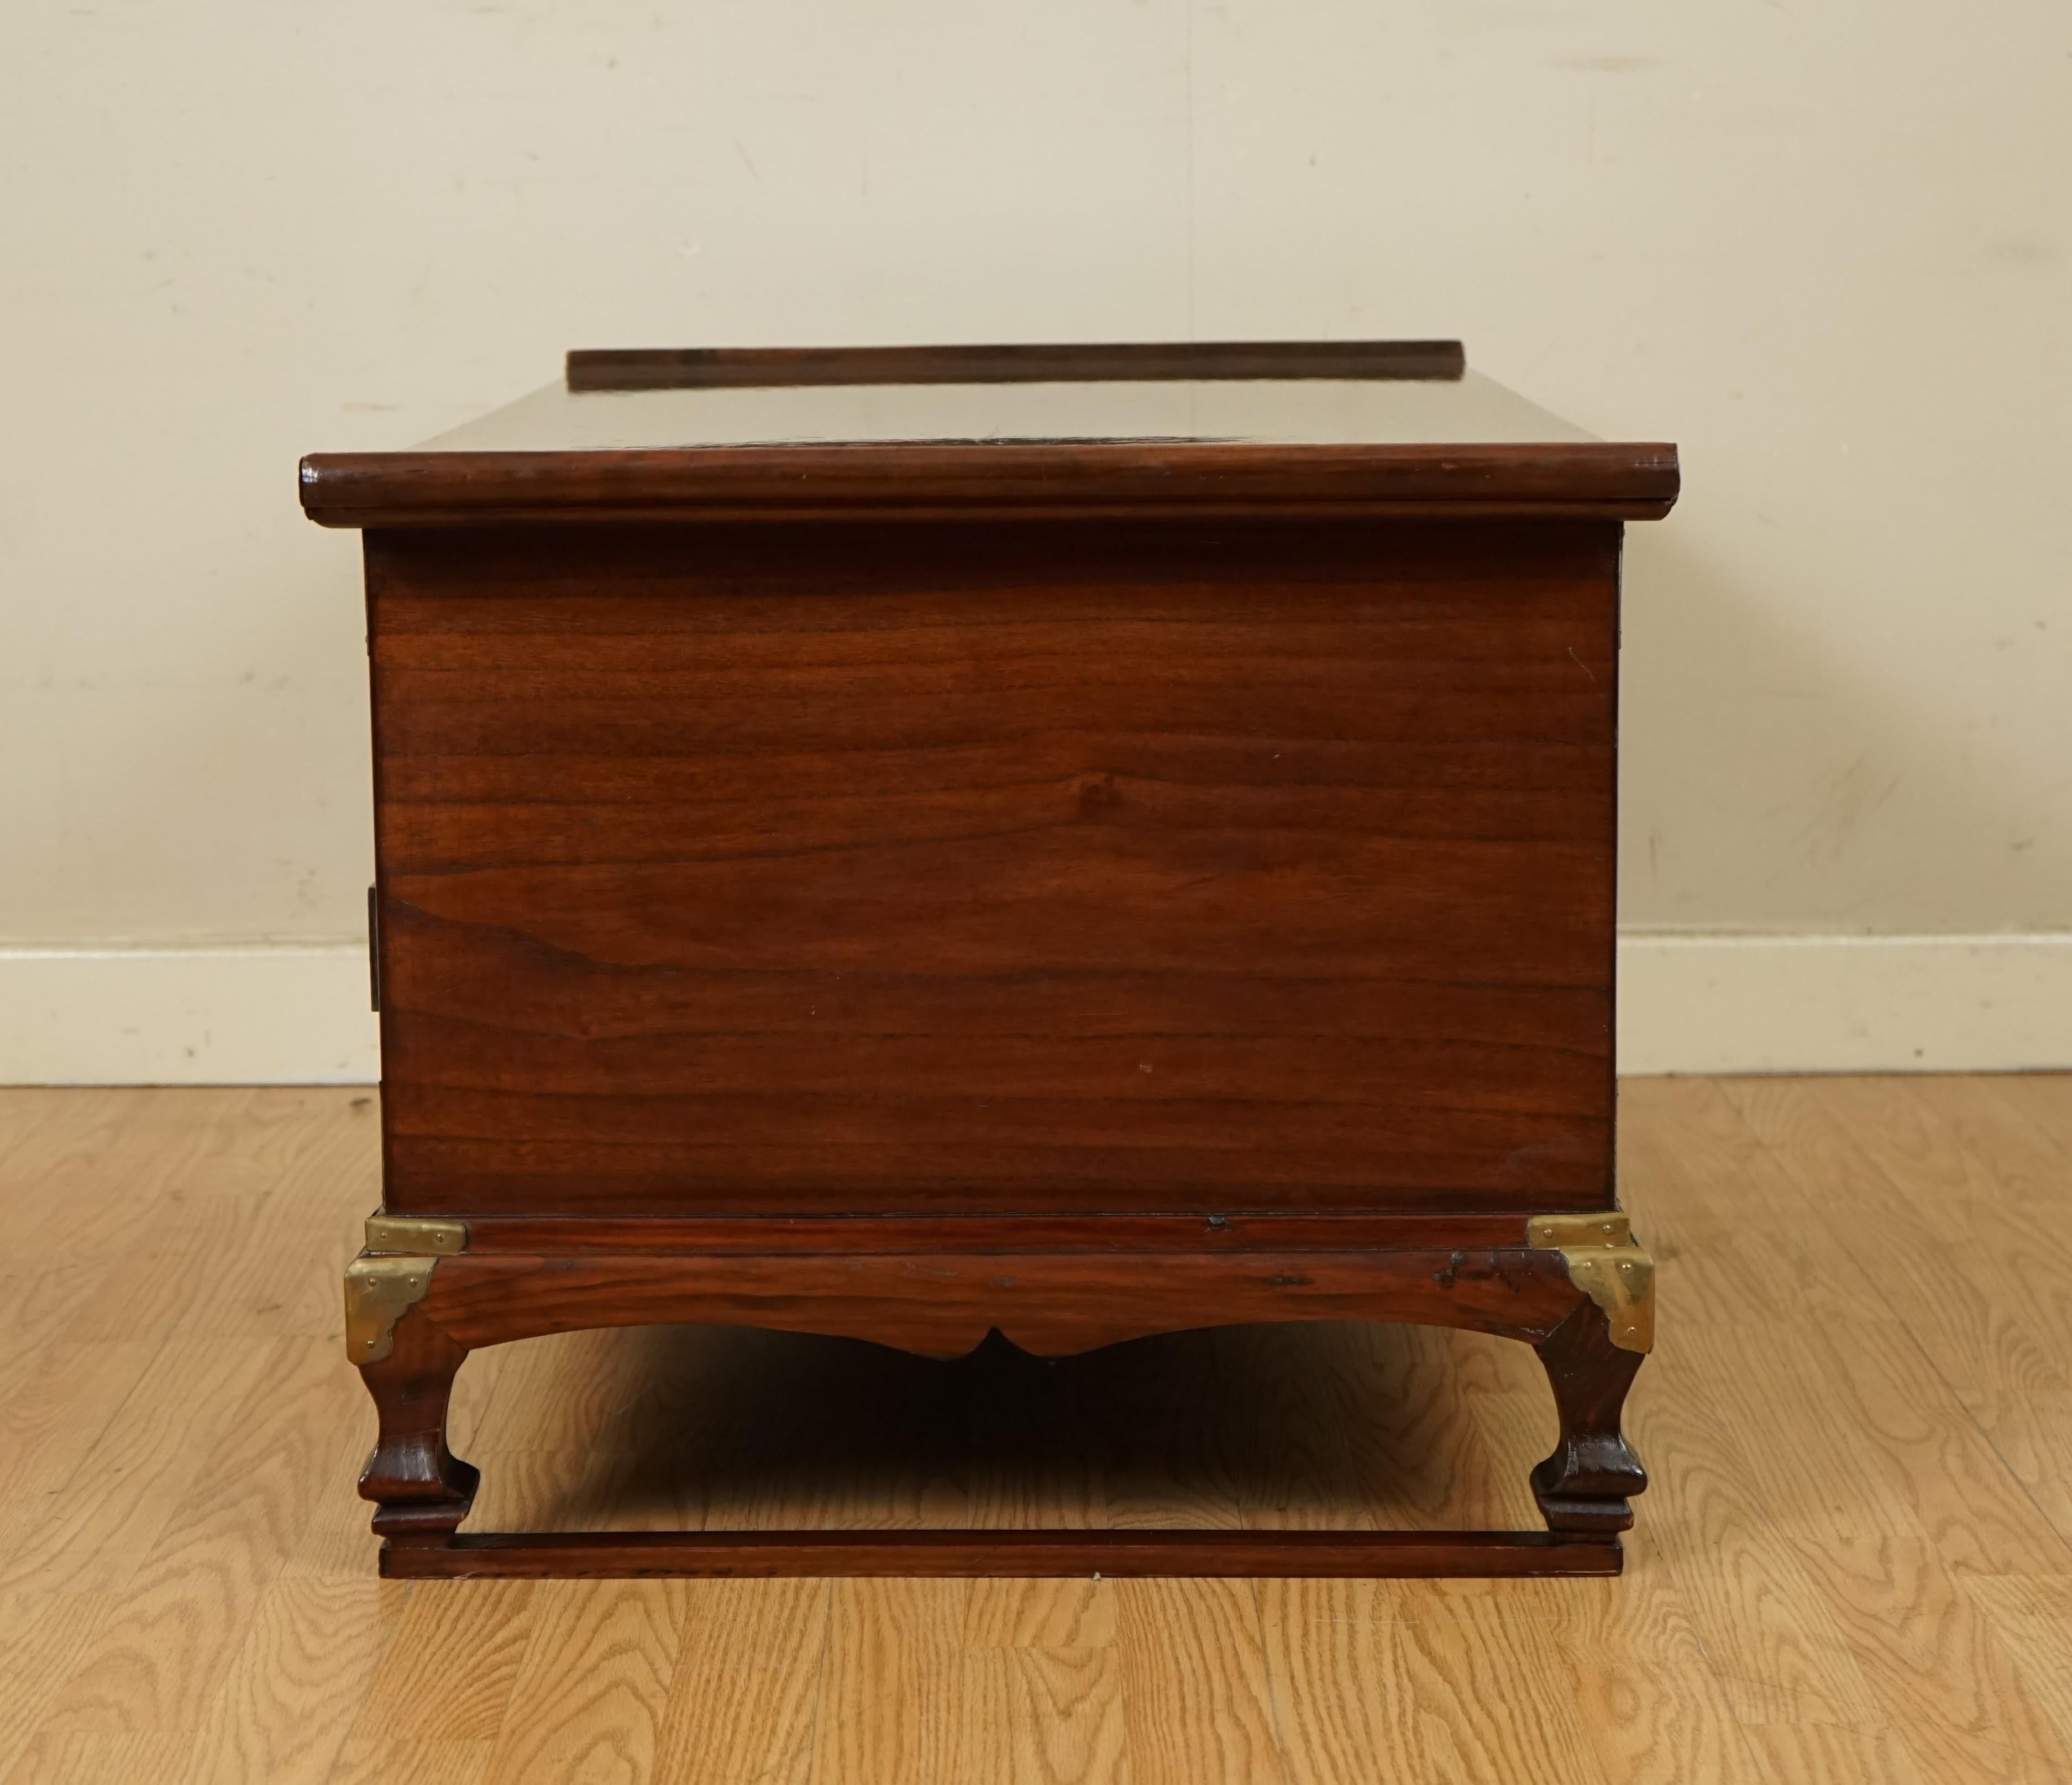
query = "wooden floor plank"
{"x": 1063, "y": 1715}
{"x": 1937, "y": 1262}
{"x": 744, "y": 1698}
{"x": 93, "y": 1534}
{"x": 446, "y": 1673}
{"x": 2043, "y": 1098}
{"x": 1407, "y": 1680}
{"x": 294, "y": 1687}
{"x": 2032, "y": 1620}
{"x": 1964, "y": 1158}
{"x": 1982, "y": 1331}
{"x": 1909, "y": 1430}
{"x": 588, "y": 1698}
{"x": 1832, "y": 1753}
{"x": 896, "y": 1647}
{"x": 1197, "y": 1701}
{"x": 56, "y": 1400}
{"x": 1735, "y": 1233}
{"x": 384, "y": 1763}
{"x": 182, "y": 1616}
{"x": 43, "y": 1633}
{"x": 1654, "y": 1711}
{"x": 1066, "y": 1614}
{"x": 88, "y": 1758}
{"x": 1934, "y": 1663}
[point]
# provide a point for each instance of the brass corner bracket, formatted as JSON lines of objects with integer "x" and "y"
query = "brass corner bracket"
{"x": 380, "y": 1290}
{"x": 414, "y": 1233}
{"x": 1605, "y": 1261}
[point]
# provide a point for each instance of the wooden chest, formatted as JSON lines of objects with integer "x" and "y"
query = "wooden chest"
{"x": 1076, "y": 841}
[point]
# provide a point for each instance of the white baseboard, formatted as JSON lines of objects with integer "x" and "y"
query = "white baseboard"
{"x": 296, "y": 1013}
{"x": 1844, "y": 1003}
{"x": 247, "y": 1014}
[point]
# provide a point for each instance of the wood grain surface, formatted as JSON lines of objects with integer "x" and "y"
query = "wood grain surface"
{"x": 1069, "y": 869}
{"x": 1050, "y": 1304}
{"x": 1857, "y": 1564}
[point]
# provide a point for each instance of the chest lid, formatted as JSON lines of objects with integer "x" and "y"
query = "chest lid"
{"x": 1221, "y": 428}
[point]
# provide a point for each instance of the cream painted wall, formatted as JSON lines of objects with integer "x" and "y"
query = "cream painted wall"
{"x": 1827, "y": 249}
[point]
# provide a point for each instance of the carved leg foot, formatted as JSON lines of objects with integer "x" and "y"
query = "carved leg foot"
{"x": 1584, "y": 1487}
{"x": 422, "y": 1491}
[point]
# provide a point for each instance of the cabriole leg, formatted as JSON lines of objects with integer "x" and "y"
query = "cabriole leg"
{"x": 420, "y": 1490}
{"x": 1585, "y": 1486}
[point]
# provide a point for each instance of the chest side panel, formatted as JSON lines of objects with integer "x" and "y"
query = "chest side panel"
{"x": 1011, "y": 869}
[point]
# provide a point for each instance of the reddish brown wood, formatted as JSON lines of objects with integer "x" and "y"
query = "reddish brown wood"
{"x": 422, "y": 1491}
{"x": 1584, "y": 1485}
{"x": 943, "y": 1304}
{"x": 979, "y": 1234}
{"x": 670, "y": 368}
{"x": 1158, "y": 882}
{"x": 619, "y": 1554}
{"x": 1075, "y": 870}
{"x": 956, "y": 483}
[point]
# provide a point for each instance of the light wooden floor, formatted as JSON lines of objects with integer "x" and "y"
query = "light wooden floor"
{"x": 1855, "y": 1562}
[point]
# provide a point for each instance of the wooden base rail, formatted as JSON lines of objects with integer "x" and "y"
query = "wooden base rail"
{"x": 1313, "y": 1554}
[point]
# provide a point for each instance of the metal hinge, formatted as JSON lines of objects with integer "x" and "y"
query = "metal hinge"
{"x": 374, "y": 945}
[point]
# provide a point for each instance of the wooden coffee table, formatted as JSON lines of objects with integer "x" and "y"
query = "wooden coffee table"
{"x": 1079, "y": 841}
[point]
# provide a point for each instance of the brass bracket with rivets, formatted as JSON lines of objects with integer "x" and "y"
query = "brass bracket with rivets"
{"x": 392, "y": 1276}
{"x": 415, "y": 1233}
{"x": 1605, "y": 1261}
{"x": 378, "y": 1292}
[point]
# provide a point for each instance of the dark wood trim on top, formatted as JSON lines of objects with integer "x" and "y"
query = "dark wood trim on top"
{"x": 932, "y": 482}
{"x": 709, "y": 368}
